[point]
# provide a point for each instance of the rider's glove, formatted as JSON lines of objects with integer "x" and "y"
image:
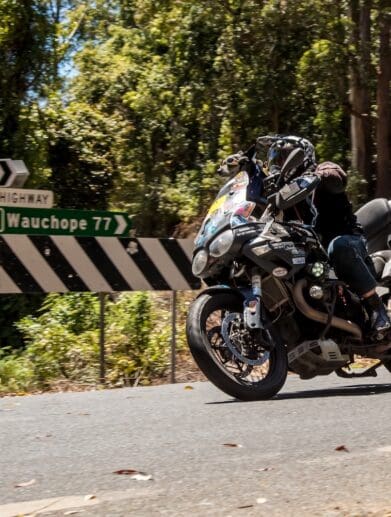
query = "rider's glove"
{"x": 333, "y": 177}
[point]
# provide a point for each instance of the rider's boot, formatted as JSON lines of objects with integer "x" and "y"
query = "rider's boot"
{"x": 378, "y": 317}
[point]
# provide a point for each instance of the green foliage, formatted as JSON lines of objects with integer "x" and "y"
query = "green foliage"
{"x": 78, "y": 312}
{"x": 137, "y": 340}
{"x": 321, "y": 77}
{"x": 62, "y": 343}
{"x": 179, "y": 81}
{"x": 26, "y": 36}
{"x": 159, "y": 91}
{"x": 78, "y": 141}
{"x": 16, "y": 374}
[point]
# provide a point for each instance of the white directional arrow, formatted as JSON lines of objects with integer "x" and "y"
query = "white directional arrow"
{"x": 122, "y": 224}
{"x": 13, "y": 173}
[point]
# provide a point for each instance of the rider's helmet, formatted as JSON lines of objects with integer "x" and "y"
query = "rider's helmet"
{"x": 282, "y": 146}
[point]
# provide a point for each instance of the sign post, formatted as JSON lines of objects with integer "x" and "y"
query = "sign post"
{"x": 102, "y": 350}
{"x": 83, "y": 223}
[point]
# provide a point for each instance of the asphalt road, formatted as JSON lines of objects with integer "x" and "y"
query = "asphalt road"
{"x": 67, "y": 446}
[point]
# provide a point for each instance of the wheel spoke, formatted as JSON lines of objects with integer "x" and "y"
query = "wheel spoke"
{"x": 244, "y": 357}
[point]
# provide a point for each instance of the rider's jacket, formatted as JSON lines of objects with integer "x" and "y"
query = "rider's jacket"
{"x": 335, "y": 213}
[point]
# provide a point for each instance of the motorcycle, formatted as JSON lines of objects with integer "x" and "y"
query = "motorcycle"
{"x": 273, "y": 302}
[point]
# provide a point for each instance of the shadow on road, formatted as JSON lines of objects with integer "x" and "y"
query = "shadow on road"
{"x": 348, "y": 391}
{"x": 345, "y": 391}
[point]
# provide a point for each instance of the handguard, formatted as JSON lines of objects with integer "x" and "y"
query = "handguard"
{"x": 292, "y": 193}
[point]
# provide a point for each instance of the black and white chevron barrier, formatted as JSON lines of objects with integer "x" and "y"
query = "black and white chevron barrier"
{"x": 42, "y": 264}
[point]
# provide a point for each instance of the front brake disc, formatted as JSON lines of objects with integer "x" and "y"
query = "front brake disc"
{"x": 226, "y": 327}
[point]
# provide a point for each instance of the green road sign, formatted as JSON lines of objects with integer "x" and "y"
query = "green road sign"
{"x": 42, "y": 221}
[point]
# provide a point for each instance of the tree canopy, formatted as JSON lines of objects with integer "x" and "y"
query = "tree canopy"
{"x": 130, "y": 104}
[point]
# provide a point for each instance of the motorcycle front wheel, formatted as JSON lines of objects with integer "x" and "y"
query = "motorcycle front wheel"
{"x": 243, "y": 366}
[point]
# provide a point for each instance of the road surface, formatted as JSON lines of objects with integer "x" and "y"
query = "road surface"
{"x": 64, "y": 449}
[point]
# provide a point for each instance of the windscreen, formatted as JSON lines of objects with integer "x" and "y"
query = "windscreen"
{"x": 229, "y": 209}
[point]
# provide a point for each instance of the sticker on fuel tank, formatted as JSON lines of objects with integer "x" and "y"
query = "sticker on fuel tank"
{"x": 260, "y": 250}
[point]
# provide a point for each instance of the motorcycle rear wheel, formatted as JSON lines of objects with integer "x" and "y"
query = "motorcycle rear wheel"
{"x": 214, "y": 358}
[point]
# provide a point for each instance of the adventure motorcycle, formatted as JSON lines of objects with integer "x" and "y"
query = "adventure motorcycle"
{"x": 274, "y": 303}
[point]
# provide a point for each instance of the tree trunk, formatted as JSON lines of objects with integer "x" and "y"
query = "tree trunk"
{"x": 383, "y": 123}
{"x": 360, "y": 91}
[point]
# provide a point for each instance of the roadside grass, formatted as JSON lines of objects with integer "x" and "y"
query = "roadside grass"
{"x": 62, "y": 344}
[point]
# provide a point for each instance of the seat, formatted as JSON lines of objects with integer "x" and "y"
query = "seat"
{"x": 375, "y": 218}
{"x": 380, "y": 259}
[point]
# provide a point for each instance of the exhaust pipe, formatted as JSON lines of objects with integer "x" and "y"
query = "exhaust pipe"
{"x": 322, "y": 317}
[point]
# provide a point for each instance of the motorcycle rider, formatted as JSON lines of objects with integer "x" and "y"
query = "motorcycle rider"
{"x": 335, "y": 222}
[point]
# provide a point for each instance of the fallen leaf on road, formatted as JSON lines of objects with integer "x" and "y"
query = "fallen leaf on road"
{"x": 188, "y": 388}
{"x": 134, "y": 474}
{"x": 42, "y": 437}
{"x": 73, "y": 512}
{"x": 261, "y": 500}
{"x": 342, "y": 448}
{"x": 89, "y": 497}
{"x": 245, "y": 506}
{"x": 232, "y": 445}
{"x": 126, "y": 472}
{"x": 27, "y": 483}
{"x": 265, "y": 469}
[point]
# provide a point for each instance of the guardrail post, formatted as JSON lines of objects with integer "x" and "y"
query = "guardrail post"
{"x": 102, "y": 354}
{"x": 173, "y": 335}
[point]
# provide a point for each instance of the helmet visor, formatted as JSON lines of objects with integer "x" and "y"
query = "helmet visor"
{"x": 277, "y": 155}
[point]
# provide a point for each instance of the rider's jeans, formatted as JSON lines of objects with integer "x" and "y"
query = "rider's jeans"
{"x": 352, "y": 264}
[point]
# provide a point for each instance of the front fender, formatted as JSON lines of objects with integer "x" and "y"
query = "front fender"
{"x": 215, "y": 289}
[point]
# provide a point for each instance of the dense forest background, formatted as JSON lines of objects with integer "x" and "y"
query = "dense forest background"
{"x": 130, "y": 104}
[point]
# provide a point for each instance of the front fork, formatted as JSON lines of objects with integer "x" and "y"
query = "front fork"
{"x": 252, "y": 311}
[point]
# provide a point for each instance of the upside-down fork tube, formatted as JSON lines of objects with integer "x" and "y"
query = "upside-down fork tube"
{"x": 322, "y": 317}
{"x": 252, "y": 305}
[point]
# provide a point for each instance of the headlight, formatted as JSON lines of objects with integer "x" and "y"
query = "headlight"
{"x": 317, "y": 269}
{"x": 199, "y": 262}
{"x": 221, "y": 244}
